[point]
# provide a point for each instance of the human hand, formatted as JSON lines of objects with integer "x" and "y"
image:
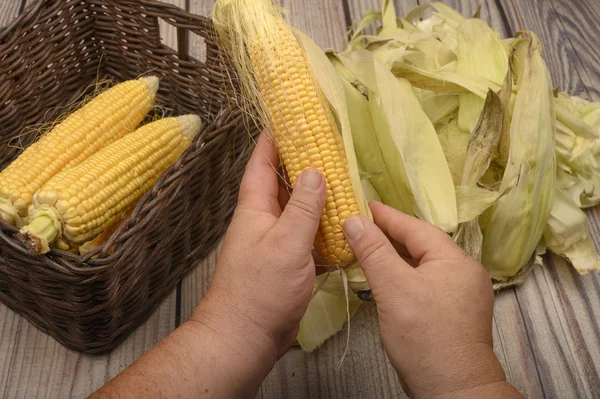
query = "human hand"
{"x": 435, "y": 306}
{"x": 265, "y": 274}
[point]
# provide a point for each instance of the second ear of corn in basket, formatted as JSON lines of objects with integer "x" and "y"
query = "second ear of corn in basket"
{"x": 435, "y": 115}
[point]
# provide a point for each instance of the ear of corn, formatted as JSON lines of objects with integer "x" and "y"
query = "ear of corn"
{"x": 80, "y": 202}
{"x": 103, "y": 120}
{"x": 275, "y": 72}
{"x": 519, "y": 218}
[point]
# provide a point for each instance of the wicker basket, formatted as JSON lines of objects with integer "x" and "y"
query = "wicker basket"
{"x": 49, "y": 57}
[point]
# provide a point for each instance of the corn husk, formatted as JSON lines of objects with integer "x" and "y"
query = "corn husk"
{"x": 408, "y": 139}
{"x": 454, "y": 143}
{"x": 372, "y": 164}
{"x": 567, "y": 234}
{"x": 480, "y": 54}
{"x": 327, "y": 311}
{"x": 437, "y": 107}
{"x": 482, "y": 144}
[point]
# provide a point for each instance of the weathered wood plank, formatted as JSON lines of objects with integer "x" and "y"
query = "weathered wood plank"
{"x": 541, "y": 17}
{"x": 512, "y": 347}
{"x": 365, "y": 373}
{"x": 38, "y": 366}
{"x": 550, "y": 343}
{"x": 10, "y": 328}
{"x": 357, "y": 8}
{"x": 579, "y": 298}
{"x": 578, "y": 19}
{"x": 323, "y": 21}
{"x": 35, "y": 365}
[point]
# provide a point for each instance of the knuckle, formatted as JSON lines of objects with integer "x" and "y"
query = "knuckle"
{"x": 303, "y": 209}
{"x": 371, "y": 251}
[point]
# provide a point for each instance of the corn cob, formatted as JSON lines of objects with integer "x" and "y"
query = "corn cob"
{"x": 276, "y": 72}
{"x": 81, "y": 202}
{"x": 106, "y": 118}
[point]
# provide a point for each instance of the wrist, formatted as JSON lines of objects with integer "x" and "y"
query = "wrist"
{"x": 495, "y": 390}
{"x": 252, "y": 352}
{"x": 459, "y": 372}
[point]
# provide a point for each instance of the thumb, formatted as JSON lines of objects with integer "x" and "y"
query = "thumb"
{"x": 375, "y": 253}
{"x": 300, "y": 219}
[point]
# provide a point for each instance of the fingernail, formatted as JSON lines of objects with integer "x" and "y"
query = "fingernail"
{"x": 311, "y": 179}
{"x": 354, "y": 227}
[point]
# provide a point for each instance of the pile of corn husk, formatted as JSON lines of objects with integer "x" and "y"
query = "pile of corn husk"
{"x": 462, "y": 128}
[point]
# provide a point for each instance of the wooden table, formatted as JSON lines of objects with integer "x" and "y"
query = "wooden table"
{"x": 546, "y": 332}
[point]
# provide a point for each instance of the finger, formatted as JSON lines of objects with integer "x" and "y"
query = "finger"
{"x": 423, "y": 241}
{"x": 259, "y": 189}
{"x": 375, "y": 253}
{"x": 300, "y": 218}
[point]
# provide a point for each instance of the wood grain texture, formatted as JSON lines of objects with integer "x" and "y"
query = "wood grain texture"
{"x": 365, "y": 373}
{"x": 546, "y": 332}
{"x": 357, "y": 8}
{"x": 9, "y": 10}
{"x": 540, "y": 16}
{"x": 579, "y": 20}
{"x": 38, "y": 366}
{"x": 490, "y": 12}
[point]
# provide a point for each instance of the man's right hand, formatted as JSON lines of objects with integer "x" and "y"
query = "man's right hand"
{"x": 435, "y": 306}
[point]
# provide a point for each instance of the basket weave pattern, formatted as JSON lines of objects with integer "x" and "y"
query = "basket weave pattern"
{"x": 49, "y": 57}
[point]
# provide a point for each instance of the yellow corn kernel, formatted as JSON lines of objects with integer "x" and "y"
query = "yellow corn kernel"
{"x": 110, "y": 182}
{"x": 105, "y": 119}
